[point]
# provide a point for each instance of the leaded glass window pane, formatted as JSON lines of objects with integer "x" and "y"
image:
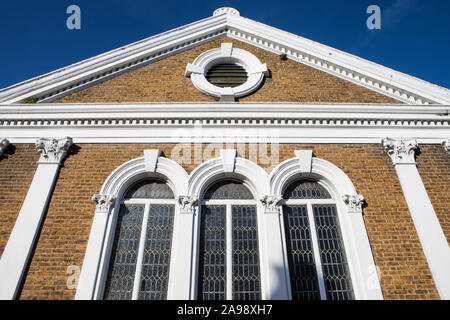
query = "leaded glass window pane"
{"x": 228, "y": 189}
{"x": 150, "y": 189}
{"x": 246, "y": 275}
{"x": 334, "y": 264}
{"x": 302, "y": 268}
{"x": 155, "y": 267}
{"x": 306, "y": 190}
{"x": 212, "y": 260}
{"x": 119, "y": 285}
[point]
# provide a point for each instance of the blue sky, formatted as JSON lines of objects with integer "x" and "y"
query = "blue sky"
{"x": 414, "y": 36}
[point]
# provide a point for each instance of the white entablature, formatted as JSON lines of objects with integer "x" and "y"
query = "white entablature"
{"x": 220, "y": 122}
{"x": 226, "y": 22}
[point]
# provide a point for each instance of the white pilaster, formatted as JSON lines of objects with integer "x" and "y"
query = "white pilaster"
{"x": 431, "y": 236}
{"x": 183, "y": 243}
{"x": 23, "y": 236}
{"x": 88, "y": 277}
{"x": 277, "y": 267}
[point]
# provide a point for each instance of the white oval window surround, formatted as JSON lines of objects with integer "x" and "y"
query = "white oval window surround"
{"x": 233, "y": 72}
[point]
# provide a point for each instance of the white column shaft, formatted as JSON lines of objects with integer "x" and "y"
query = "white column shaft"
{"x": 276, "y": 265}
{"x": 88, "y": 277}
{"x": 181, "y": 266}
{"x": 428, "y": 228}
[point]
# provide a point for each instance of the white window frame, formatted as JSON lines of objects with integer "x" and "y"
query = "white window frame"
{"x": 274, "y": 269}
{"x": 229, "y": 203}
{"x": 230, "y": 166}
{"x": 92, "y": 280}
{"x": 147, "y": 203}
{"x": 361, "y": 265}
{"x": 312, "y": 227}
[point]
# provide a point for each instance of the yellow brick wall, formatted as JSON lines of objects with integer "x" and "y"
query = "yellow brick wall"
{"x": 434, "y": 169}
{"x": 17, "y": 167}
{"x": 397, "y": 252}
{"x": 164, "y": 81}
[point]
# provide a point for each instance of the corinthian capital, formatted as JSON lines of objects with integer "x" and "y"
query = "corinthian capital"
{"x": 187, "y": 203}
{"x": 104, "y": 202}
{"x": 271, "y": 203}
{"x": 53, "y": 150}
{"x": 446, "y": 145}
{"x": 4, "y": 143}
{"x": 354, "y": 202}
{"x": 400, "y": 151}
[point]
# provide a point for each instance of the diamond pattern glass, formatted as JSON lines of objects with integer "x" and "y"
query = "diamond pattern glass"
{"x": 119, "y": 284}
{"x": 302, "y": 268}
{"x": 150, "y": 189}
{"x": 306, "y": 190}
{"x": 212, "y": 260}
{"x": 228, "y": 189}
{"x": 335, "y": 270}
{"x": 155, "y": 267}
{"x": 246, "y": 275}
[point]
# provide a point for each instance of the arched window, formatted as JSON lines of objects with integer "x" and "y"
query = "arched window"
{"x": 229, "y": 266}
{"x": 316, "y": 256}
{"x": 140, "y": 257}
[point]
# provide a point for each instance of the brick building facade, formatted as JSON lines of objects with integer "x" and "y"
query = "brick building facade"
{"x": 376, "y": 140}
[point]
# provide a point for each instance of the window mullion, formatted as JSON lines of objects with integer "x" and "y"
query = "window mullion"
{"x": 315, "y": 245}
{"x": 140, "y": 257}
{"x": 229, "y": 253}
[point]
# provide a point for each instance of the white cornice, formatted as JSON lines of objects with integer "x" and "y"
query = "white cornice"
{"x": 56, "y": 84}
{"x": 217, "y": 122}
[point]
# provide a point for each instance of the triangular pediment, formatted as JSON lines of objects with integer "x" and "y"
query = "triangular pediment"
{"x": 165, "y": 81}
{"x": 226, "y": 23}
